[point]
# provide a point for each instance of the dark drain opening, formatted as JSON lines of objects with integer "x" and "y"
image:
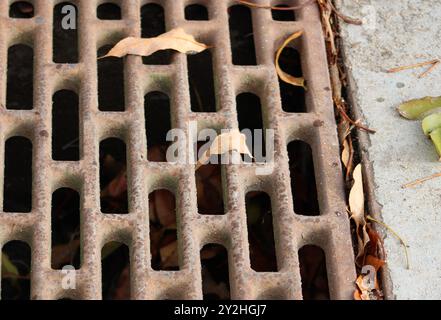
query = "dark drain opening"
{"x": 283, "y": 15}
{"x": 20, "y": 78}
{"x": 157, "y": 124}
{"x": 21, "y": 10}
{"x": 163, "y": 234}
{"x": 215, "y": 273}
{"x": 65, "y": 126}
{"x": 15, "y": 271}
{"x": 261, "y": 232}
{"x": 65, "y": 34}
{"x": 201, "y": 82}
{"x": 65, "y": 228}
{"x": 293, "y": 97}
{"x": 210, "y": 198}
{"x": 303, "y": 184}
{"x": 110, "y": 82}
{"x": 249, "y": 112}
{"x": 17, "y": 191}
{"x": 314, "y": 274}
{"x": 113, "y": 176}
{"x": 196, "y": 12}
{"x": 242, "y": 35}
{"x": 153, "y": 25}
{"x": 108, "y": 11}
{"x": 115, "y": 271}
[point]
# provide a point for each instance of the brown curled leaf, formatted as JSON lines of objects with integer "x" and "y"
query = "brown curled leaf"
{"x": 176, "y": 39}
{"x": 299, "y": 82}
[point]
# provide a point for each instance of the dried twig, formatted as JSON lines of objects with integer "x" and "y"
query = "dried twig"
{"x": 396, "y": 235}
{"x": 347, "y": 118}
{"x": 433, "y": 63}
{"x": 420, "y": 181}
{"x": 425, "y": 73}
{"x": 345, "y": 18}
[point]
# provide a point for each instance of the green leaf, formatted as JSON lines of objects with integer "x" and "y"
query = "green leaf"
{"x": 431, "y": 123}
{"x": 418, "y": 108}
{"x": 436, "y": 139}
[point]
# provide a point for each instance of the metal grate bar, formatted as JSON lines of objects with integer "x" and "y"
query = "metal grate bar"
{"x": 330, "y": 230}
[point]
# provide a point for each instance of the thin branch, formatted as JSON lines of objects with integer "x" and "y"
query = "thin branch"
{"x": 345, "y": 18}
{"x": 420, "y": 181}
{"x": 425, "y": 73}
{"x": 355, "y": 123}
{"x": 433, "y": 63}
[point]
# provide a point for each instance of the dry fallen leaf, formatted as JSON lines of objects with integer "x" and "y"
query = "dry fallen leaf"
{"x": 233, "y": 140}
{"x": 176, "y": 39}
{"x": 356, "y": 207}
{"x": 299, "y": 82}
{"x": 346, "y": 154}
{"x": 366, "y": 293}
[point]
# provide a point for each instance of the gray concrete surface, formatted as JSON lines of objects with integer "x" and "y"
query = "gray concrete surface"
{"x": 403, "y": 32}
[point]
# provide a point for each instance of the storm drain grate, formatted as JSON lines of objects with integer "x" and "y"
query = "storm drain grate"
{"x": 327, "y": 229}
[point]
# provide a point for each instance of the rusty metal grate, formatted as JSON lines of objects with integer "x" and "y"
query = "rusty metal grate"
{"x": 317, "y": 127}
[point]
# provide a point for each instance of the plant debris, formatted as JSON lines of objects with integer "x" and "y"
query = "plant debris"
{"x": 433, "y": 64}
{"x": 300, "y": 82}
{"x": 396, "y": 235}
{"x": 425, "y": 108}
{"x": 176, "y": 39}
{"x": 420, "y": 181}
{"x": 233, "y": 140}
{"x": 419, "y": 108}
{"x": 356, "y": 208}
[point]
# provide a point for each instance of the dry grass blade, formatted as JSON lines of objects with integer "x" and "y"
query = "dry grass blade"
{"x": 299, "y": 82}
{"x": 176, "y": 39}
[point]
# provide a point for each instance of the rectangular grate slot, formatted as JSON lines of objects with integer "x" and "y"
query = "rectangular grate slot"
{"x": 65, "y": 34}
{"x": 114, "y": 156}
{"x": 17, "y": 188}
{"x": 65, "y": 126}
{"x": 20, "y": 77}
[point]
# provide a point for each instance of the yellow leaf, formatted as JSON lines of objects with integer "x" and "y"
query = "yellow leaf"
{"x": 299, "y": 82}
{"x": 356, "y": 207}
{"x": 176, "y": 39}
{"x": 346, "y": 154}
{"x": 233, "y": 140}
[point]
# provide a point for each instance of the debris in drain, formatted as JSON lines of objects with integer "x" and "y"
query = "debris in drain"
{"x": 226, "y": 142}
{"x": 370, "y": 248}
{"x": 176, "y": 39}
{"x": 300, "y": 82}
